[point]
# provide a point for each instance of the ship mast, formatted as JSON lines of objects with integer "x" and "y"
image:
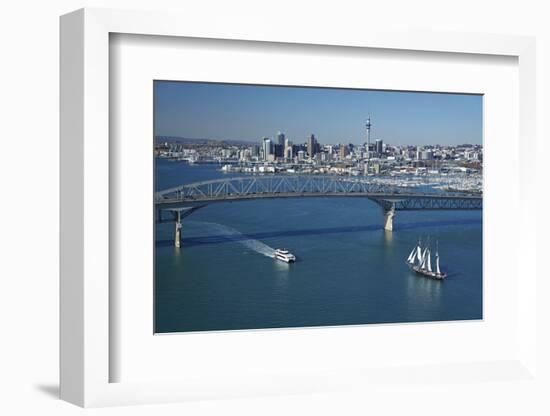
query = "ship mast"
{"x": 437, "y": 270}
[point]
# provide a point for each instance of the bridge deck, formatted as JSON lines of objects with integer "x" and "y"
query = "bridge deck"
{"x": 185, "y": 199}
{"x": 299, "y": 186}
{"x": 392, "y": 198}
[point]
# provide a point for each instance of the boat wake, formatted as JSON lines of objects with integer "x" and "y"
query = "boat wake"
{"x": 230, "y": 234}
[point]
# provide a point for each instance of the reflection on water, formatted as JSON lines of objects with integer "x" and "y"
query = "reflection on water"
{"x": 388, "y": 238}
{"x": 423, "y": 294}
{"x": 209, "y": 238}
{"x": 431, "y": 287}
{"x": 282, "y": 270}
{"x": 178, "y": 255}
{"x": 281, "y": 267}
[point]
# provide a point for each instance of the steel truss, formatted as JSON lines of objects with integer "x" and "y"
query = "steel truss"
{"x": 273, "y": 186}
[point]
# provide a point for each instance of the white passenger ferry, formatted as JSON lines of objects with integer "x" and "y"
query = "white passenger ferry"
{"x": 284, "y": 255}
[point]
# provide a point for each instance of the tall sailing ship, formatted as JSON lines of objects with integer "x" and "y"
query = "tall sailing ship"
{"x": 420, "y": 261}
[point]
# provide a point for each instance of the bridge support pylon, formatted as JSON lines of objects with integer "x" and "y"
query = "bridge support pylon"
{"x": 178, "y": 214}
{"x": 389, "y": 213}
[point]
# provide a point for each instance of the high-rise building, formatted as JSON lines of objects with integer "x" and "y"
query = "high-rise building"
{"x": 379, "y": 146}
{"x": 288, "y": 155}
{"x": 281, "y": 138}
{"x": 267, "y": 148}
{"x": 278, "y": 150}
{"x": 311, "y": 146}
{"x": 343, "y": 151}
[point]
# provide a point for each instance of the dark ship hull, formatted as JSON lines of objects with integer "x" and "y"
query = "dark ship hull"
{"x": 427, "y": 273}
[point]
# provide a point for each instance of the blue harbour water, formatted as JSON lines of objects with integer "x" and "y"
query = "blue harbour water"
{"x": 349, "y": 270}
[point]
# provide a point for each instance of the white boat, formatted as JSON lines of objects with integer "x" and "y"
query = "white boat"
{"x": 284, "y": 255}
{"x": 420, "y": 261}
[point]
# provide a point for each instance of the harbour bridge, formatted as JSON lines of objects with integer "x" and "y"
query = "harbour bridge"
{"x": 183, "y": 200}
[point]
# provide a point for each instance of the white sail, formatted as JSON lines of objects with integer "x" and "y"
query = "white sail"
{"x": 423, "y": 259}
{"x": 419, "y": 254}
{"x": 437, "y": 270}
{"x": 429, "y": 262}
{"x": 412, "y": 256}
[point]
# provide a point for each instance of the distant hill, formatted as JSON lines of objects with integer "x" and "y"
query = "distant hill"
{"x": 189, "y": 140}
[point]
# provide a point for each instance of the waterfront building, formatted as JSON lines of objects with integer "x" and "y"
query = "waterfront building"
{"x": 244, "y": 154}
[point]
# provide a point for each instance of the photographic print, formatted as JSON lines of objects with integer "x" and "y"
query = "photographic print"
{"x": 290, "y": 206}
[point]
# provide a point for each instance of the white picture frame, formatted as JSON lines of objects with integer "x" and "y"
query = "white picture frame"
{"x": 85, "y": 350}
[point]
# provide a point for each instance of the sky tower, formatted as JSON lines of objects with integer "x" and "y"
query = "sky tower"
{"x": 368, "y": 126}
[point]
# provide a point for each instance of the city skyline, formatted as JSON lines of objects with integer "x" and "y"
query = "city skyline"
{"x": 251, "y": 112}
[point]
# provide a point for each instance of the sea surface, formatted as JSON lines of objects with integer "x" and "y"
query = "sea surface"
{"x": 349, "y": 270}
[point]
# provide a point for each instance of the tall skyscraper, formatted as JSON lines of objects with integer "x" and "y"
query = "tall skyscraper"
{"x": 311, "y": 146}
{"x": 379, "y": 146}
{"x": 278, "y": 150}
{"x": 281, "y": 138}
{"x": 267, "y": 147}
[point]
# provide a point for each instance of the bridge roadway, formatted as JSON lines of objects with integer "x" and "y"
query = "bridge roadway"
{"x": 428, "y": 198}
{"x": 183, "y": 200}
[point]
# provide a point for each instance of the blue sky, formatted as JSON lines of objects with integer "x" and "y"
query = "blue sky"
{"x": 250, "y": 112}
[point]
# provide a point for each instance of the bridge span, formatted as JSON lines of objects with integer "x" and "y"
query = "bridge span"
{"x": 183, "y": 200}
